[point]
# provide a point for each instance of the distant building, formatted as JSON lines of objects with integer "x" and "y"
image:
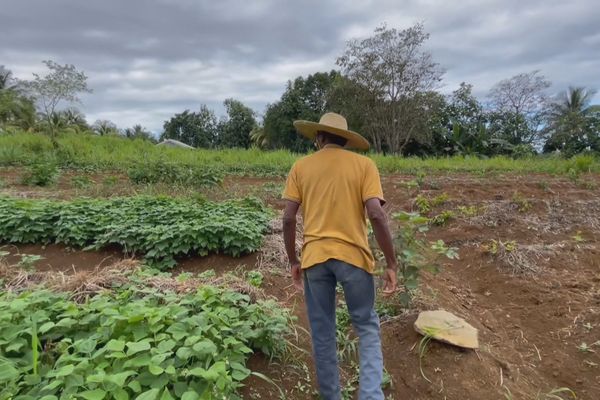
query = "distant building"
{"x": 174, "y": 143}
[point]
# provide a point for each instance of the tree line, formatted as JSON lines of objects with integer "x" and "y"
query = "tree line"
{"x": 387, "y": 86}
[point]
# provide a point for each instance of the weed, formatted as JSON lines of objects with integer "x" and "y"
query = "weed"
{"x": 422, "y": 349}
{"x": 415, "y": 254}
{"x": 255, "y": 278}
{"x": 556, "y": 394}
{"x": 439, "y": 200}
{"x": 523, "y": 205}
{"x": 81, "y": 182}
{"x": 40, "y": 174}
{"x": 495, "y": 247}
{"x": 347, "y": 346}
{"x": 471, "y": 211}
{"x": 544, "y": 185}
{"x": 110, "y": 181}
{"x": 27, "y": 261}
{"x": 578, "y": 238}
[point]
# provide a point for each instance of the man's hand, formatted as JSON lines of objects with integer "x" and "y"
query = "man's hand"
{"x": 391, "y": 281}
{"x": 297, "y": 276}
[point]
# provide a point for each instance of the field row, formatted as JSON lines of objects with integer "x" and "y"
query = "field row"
{"x": 159, "y": 229}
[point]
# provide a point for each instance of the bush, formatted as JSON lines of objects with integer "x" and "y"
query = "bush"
{"x": 41, "y": 174}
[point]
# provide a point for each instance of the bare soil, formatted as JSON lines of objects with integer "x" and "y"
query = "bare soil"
{"x": 538, "y": 314}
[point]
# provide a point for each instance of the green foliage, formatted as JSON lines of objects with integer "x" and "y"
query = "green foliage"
{"x": 116, "y": 153}
{"x": 234, "y": 131}
{"x": 255, "y": 278}
{"x": 415, "y": 254}
{"x": 41, "y": 173}
{"x": 172, "y": 173}
{"x": 133, "y": 343}
{"x": 304, "y": 98}
{"x": 159, "y": 229}
{"x": 197, "y": 129}
{"x": 442, "y": 218}
{"x": 81, "y": 181}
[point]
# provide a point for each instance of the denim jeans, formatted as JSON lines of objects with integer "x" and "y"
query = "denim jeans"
{"x": 359, "y": 291}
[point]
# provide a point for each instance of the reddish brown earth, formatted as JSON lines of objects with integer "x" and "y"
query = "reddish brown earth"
{"x": 532, "y": 325}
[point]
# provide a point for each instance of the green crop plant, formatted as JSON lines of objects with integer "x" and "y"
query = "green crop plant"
{"x": 442, "y": 218}
{"x": 134, "y": 342}
{"x": 423, "y": 204}
{"x": 255, "y": 278}
{"x": 440, "y": 200}
{"x": 159, "y": 229}
{"x": 415, "y": 254}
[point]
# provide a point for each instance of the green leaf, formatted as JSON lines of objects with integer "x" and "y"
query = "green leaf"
{"x": 184, "y": 353}
{"x": 136, "y": 347}
{"x": 190, "y": 396}
{"x": 49, "y": 397}
{"x": 155, "y": 369}
{"x": 135, "y": 386}
{"x": 119, "y": 378}
{"x": 205, "y": 347}
{"x": 166, "y": 395}
{"x": 63, "y": 371}
{"x": 151, "y": 394}
{"x": 7, "y": 371}
{"x": 96, "y": 394}
{"x": 46, "y": 327}
{"x": 120, "y": 394}
{"x": 166, "y": 345}
{"x": 115, "y": 345}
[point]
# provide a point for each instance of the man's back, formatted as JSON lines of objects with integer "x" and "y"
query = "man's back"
{"x": 332, "y": 185}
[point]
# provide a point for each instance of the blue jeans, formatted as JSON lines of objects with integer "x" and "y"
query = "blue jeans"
{"x": 359, "y": 291}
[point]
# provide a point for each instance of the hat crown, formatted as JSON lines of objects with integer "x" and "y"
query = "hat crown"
{"x": 334, "y": 120}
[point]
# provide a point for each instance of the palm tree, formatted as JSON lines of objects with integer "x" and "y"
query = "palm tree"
{"x": 572, "y": 121}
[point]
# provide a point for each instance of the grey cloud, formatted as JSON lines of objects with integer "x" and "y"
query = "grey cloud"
{"x": 149, "y": 59}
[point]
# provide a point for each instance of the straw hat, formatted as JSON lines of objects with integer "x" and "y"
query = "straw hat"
{"x": 335, "y": 124}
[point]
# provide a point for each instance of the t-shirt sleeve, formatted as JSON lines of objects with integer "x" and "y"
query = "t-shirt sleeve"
{"x": 292, "y": 189}
{"x": 371, "y": 187}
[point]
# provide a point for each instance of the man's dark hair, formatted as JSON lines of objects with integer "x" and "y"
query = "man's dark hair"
{"x": 331, "y": 138}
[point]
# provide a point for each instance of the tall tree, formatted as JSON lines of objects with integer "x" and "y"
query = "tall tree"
{"x": 391, "y": 74}
{"x": 234, "y": 130}
{"x": 138, "y": 132}
{"x": 62, "y": 84}
{"x": 573, "y": 123}
{"x": 304, "y": 98}
{"x": 518, "y": 107}
{"x": 104, "y": 127}
{"x": 197, "y": 129}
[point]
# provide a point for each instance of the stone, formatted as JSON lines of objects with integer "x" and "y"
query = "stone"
{"x": 448, "y": 328}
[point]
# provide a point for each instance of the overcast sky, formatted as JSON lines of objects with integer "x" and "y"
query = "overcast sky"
{"x": 147, "y": 60}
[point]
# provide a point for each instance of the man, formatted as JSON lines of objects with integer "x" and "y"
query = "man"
{"x": 334, "y": 187}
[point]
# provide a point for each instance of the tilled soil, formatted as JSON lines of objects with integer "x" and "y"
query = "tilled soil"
{"x": 537, "y": 309}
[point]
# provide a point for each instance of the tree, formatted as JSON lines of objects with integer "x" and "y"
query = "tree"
{"x": 197, "y": 129}
{"x": 388, "y": 75}
{"x": 518, "y": 106}
{"x": 234, "y": 131}
{"x": 104, "y": 127}
{"x": 138, "y": 132}
{"x": 62, "y": 84}
{"x": 573, "y": 124}
{"x": 16, "y": 109}
{"x": 304, "y": 98}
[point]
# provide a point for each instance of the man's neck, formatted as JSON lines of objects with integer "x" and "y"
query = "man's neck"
{"x": 332, "y": 146}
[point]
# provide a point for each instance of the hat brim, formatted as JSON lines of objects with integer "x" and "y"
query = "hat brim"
{"x": 309, "y": 130}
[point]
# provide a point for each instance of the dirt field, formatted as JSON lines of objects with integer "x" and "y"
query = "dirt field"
{"x": 535, "y": 302}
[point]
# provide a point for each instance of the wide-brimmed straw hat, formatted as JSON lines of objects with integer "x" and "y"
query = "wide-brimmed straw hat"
{"x": 335, "y": 124}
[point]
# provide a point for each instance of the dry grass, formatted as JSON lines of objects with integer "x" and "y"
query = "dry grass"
{"x": 86, "y": 283}
{"x": 272, "y": 253}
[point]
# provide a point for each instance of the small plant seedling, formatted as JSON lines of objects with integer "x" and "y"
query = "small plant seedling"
{"x": 578, "y": 238}
{"x": 556, "y": 394}
{"x": 110, "y": 181}
{"x": 208, "y": 274}
{"x": 442, "y": 218}
{"x": 544, "y": 185}
{"x": 588, "y": 326}
{"x": 27, "y": 261}
{"x": 40, "y": 174}
{"x": 523, "y": 205}
{"x": 585, "y": 348}
{"x": 254, "y": 278}
{"x": 423, "y": 205}
{"x": 470, "y": 211}
{"x": 440, "y": 199}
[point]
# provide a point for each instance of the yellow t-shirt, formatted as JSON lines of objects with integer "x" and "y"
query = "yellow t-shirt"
{"x": 332, "y": 185}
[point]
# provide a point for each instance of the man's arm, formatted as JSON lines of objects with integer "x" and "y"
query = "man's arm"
{"x": 289, "y": 239}
{"x": 379, "y": 222}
